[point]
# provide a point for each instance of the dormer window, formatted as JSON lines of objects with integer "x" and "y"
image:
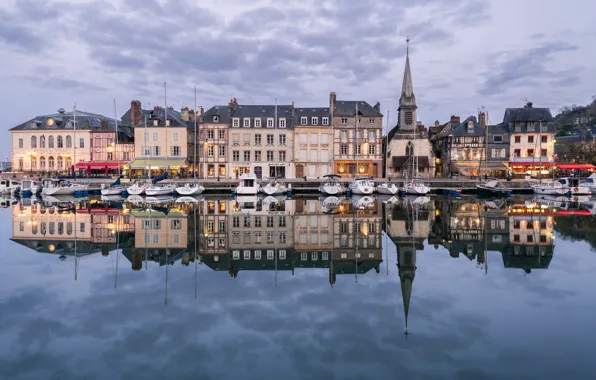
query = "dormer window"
{"x": 470, "y": 126}
{"x": 155, "y": 123}
{"x": 270, "y": 122}
{"x": 215, "y": 119}
{"x": 282, "y": 123}
{"x": 314, "y": 120}
{"x": 344, "y": 120}
{"x": 325, "y": 121}
{"x": 246, "y": 122}
{"x": 235, "y": 122}
{"x": 50, "y": 122}
{"x": 303, "y": 120}
{"x": 257, "y": 122}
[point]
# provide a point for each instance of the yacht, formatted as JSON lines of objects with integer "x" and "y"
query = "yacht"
{"x": 188, "y": 199}
{"x": 332, "y": 186}
{"x": 29, "y": 186}
{"x": 274, "y": 188}
{"x": 115, "y": 188}
{"x": 154, "y": 190}
{"x": 331, "y": 202}
{"x": 387, "y": 188}
{"x": 575, "y": 186}
{"x": 363, "y": 201}
{"x": 550, "y": 188}
{"x": 416, "y": 187}
{"x": 362, "y": 186}
{"x": 493, "y": 187}
{"x": 137, "y": 188}
{"x": 590, "y": 182}
{"x": 190, "y": 189}
{"x": 9, "y": 186}
{"x": 247, "y": 185}
{"x": 61, "y": 187}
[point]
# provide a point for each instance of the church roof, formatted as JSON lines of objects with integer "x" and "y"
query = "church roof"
{"x": 407, "y": 88}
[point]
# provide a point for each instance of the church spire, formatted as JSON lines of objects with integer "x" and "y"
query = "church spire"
{"x": 406, "y": 269}
{"x": 407, "y": 89}
{"x": 407, "y": 101}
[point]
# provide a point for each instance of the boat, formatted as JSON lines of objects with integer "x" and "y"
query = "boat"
{"x": 331, "y": 202}
{"x": 363, "y": 201}
{"x": 61, "y": 187}
{"x": 30, "y": 187}
{"x": 159, "y": 199}
{"x": 419, "y": 200}
{"x": 9, "y": 186}
{"x": 416, "y": 187}
{"x": 115, "y": 188}
{"x": 8, "y": 202}
{"x": 493, "y": 187}
{"x": 590, "y": 182}
{"x": 247, "y": 204}
{"x": 49, "y": 200}
{"x": 247, "y": 185}
{"x": 188, "y": 199}
{"x": 387, "y": 188}
{"x": 575, "y": 186}
{"x": 111, "y": 198}
{"x": 135, "y": 199}
{"x": 155, "y": 189}
{"x": 550, "y": 188}
{"x": 332, "y": 186}
{"x": 274, "y": 188}
{"x": 362, "y": 186}
{"x": 190, "y": 189}
{"x": 137, "y": 188}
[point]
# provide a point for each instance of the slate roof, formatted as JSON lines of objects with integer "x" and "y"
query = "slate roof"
{"x": 263, "y": 112}
{"x": 65, "y": 121}
{"x": 348, "y": 108}
{"x": 311, "y": 112}
{"x": 221, "y": 111}
{"x": 461, "y": 129}
{"x": 526, "y": 116}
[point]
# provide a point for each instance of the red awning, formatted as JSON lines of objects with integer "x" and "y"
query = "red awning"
{"x": 535, "y": 164}
{"x": 98, "y": 165}
{"x": 575, "y": 166}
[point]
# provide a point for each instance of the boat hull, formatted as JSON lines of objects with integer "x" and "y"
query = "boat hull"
{"x": 135, "y": 190}
{"x": 273, "y": 190}
{"x": 416, "y": 190}
{"x": 580, "y": 190}
{"x": 159, "y": 190}
{"x": 551, "y": 191}
{"x": 332, "y": 189}
{"x": 361, "y": 190}
{"x": 190, "y": 190}
{"x": 481, "y": 190}
{"x": 387, "y": 190}
{"x": 115, "y": 190}
{"x": 247, "y": 190}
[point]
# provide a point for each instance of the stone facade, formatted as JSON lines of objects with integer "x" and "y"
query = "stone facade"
{"x": 313, "y": 142}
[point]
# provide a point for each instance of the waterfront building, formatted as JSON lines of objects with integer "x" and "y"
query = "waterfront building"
{"x": 313, "y": 142}
{"x": 47, "y": 143}
{"x": 162, "y": 148}
{"x": 213, "y": 143}
{"x": 409, "y": 152}
{"x": 532, "y": 132}
{"x": 213, "y": 222}
{"x": 351, "y": 147}
{"x": 257, "y": 144}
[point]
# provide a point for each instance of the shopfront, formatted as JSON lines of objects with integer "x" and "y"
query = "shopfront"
{"x": 352, "y": 168}
{"x": 532, "y": 169}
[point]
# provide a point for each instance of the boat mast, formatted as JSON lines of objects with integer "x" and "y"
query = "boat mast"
{"x": 196, "y": 116}
{"x": 356, "y": 153}
{"x": 386, "y": 145}
{"x": 116, "y": 146}
{"x": 485, "y": 144}
{"x": 147, "y": 156}
{"x": 275, "y": 126}
{"x": 74, "y": 143}
{"x": 165, "y": 109}
{"x": 540, "y": 149}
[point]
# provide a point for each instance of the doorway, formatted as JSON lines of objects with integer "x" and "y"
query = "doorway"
{"x": 299, "y": 171}
{"x": 259, "y": 172}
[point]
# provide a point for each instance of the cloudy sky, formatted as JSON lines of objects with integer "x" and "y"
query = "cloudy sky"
{"x": 465, "y": 54}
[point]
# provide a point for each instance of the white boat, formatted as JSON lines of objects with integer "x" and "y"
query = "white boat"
{"x": 274, "y": 188}
{"x": 419, "y": 201}
{"x": 590, "y": 182}
{"x": 247, "y": 185}
{"x": 387, "y": 188}
{"x": 190, "y": 189}
{"x": 135, "y": 199}
{"x": 362, "y": 186}
{"x": 416, "y": 187}
{"x": 61, "y": 187}
{"x": 331, "y": 202}
{"x": 8, "y": 202}
{"x": 159, "y": 199}
{"x": 246, "y": 204}
{"x": 9, "y": 186}
{"x": 493, "y": 187}
{"x": 30, "y": 186}
{"x": 188, "y": 199}
{"x": 115, "y": 188}
{"x": 390, "y": 200}
{"x": 332, "y": 186}
{"x": 111, "y": 198}
{"x": 575, "y": 186}
{"x": 137, "y": 188}
{"x": 550, "y": 188}
{"x": 153, "y": 190}
{"x": 49, "y": 200}
{"x": 363, "y": 201}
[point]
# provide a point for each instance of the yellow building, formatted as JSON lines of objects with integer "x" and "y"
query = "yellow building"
{"x": 313, "y": 146}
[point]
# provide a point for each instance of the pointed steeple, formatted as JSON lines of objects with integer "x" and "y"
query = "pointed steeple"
{"x": 407, "y": 100}
{"x": 407, "y": 88}
{"x": 406, "y": 267}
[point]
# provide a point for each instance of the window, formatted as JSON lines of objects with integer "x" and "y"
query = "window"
{"x": 247, "y": 155}
{"x": 530, "y": 139}
{"x": 246, "y": 254}
{"x": 235, "y": 122}
{"x": 211, "y": 151}
{"x": 303, "y": 153}
{"x": 257, "y": 255}
{"x": 222, "y": 151}
{"x": 530, "y": 238}
{"x": 282, "y": 139}
{"x": 409, "y": 117}
{"x": 314, "y": 157}
{"x": 282, "y": 123}
{"x": 270, "y": 155}
{"x": 176, "y": 136}
{"x": 344, "y": 149}
{"x": 211, "y": 226}
{"x": 257, "y": 122}
{"x": 222, "y": 226}
{"x": 314, "y": 120}
{"x": 530, "y": 153}
{"x": 269, "y": 237}
{"x": 371, "y": 149}
{"x": 303, "y": 138}
{"x": 236, "y": 255}
{"x": 282, "y": 156}
{"x": 269, "y": 139}
{"x": 372, "y": 135}
{"x": 155, "y": 238}
{"x": 269, "y": 221}
{"x": 371, "y": 121}
{"x": 222, "y": 134}
{"x": 344, "y": 120}
{"x": 282, "y": 237}
{"x": 175, "y": 150}
{"x": 60, "y": 142}
{"x": 270, "y": 122}
{"x": 258, "y": 222}
{"x": 235, "y": 139}
{"x": 314, "y": 138}
{"x": 50, "y": 142}
{"x": 235, "y": 156}
{"x": 517, "y": 139}
{"x": 544, "y": 139}
{"x": 81, "y": 142}
{"x": 235, "y": 221}
{"x": 258, "y": 155}
{"x": 210, "y": 134}
{"x": 344, "y": 135}
{"x": 542, "y": 152}
{"x": 270, "y": 254}
{"x": 247, "y": 139}
{"x": 409, "y": 149}
{"x": 110, "y": 156}
{"x": 33, "y": 142}
{"x": 258, "y": 139}
{"x": 236, "y": 238}
{"x": 282, "y": 221}
{"x": 357, "y": 146}
{"x": 246, "y": 122}
{"x": 246, "y": 220}
{"x": 517, "y": 153}
{"x": 497, "y": 138}
{"x": 282, "y": 254}
{"x": 325, "y": 120}
{"x": 303, "y": 120}
{"x": 324, "y": 155}
{"x": 258, "y": 239}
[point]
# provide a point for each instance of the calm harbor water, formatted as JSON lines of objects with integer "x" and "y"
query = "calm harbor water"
{"x": 423, "y": 288}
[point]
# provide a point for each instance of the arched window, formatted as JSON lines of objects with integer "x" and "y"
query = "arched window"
{"x": 60, "y": 142}
{"x": 42, "y": 163}
{"x": 33, "y": 163}
{"x": 51, "y": 142}
{"x": 33, "y": 142}
{"x": 42, "y": 141}
{"x": 60, "y": 163}
{"x": 409, "y": 149}
{"x": 68, "y": 163}
{"x": 68, "y": 142}
{"x": 51, "y": 163}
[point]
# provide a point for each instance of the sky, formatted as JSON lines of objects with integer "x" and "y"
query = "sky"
{"x": 464, "y": 54}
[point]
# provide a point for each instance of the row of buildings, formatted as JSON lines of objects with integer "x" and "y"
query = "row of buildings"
{"x": 344, "y": 137}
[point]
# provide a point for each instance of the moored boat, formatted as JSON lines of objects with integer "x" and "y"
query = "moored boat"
{"x": 575, "y": 186}
{"x": 247, "y": 185}
{"x": 387, "y": 188}
{"x": 137, "y": 188}
{"x": 274, "y": 188}
{"x": 332, "y": 186}
{"x": 415, "y": 187}
{"x": 190, "y": 189}
{"x": 115, "y": 188}
{"x": 493, "y": 187}
{"x": 9, "y": 186}
{"x": 362, "y": 186}
{"x": 62, "y": 187}
{"x": 550, "y": 188}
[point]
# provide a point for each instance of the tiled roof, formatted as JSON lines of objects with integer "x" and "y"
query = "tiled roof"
{"x": 157, "y": 113}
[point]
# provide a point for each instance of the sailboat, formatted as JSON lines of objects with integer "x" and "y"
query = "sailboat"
{"x": 138, "y": 188}
{"x": 192, "y": 188}
{"x": 553, "y": 187}
{"x": 386, "y": 187}
{"x": 115, "y": 188}
{"x": 416, "y": 185}
{"x": 332, "y": 186}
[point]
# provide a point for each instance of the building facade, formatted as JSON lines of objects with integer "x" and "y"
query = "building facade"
{"x": 261, "y": 140}
{"x": 313, "y": 142}
{"x": 357, "y": 137}
{"x": 213, "y": 143}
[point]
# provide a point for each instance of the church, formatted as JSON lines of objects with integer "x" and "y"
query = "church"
{"x": 409, "y": 153}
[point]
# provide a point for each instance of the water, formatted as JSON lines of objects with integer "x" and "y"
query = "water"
{"x": 282, "y": 291}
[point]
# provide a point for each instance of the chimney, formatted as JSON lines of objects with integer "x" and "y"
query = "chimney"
{"x": 482, "y": 119}
{"x": 135, "y": 112}
{"x": 292, "y": 108}
{"x": 454, "y": 119}
{"x": 378, "y": 107}
{"x": 200, "y": 111}
{"x": 191, "y": 115}
{"x": 184, "y": 114}
{"x": 332, "y": 102}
